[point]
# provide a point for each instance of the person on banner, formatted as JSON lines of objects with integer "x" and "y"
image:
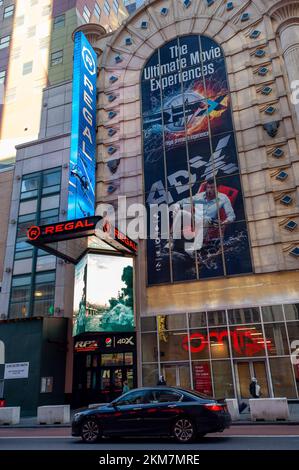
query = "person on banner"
{"x": 205, "y": 206}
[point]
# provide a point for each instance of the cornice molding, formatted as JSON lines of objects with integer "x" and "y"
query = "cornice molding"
{"x": 93, "y": 32}
{"x": 284, "y": 13}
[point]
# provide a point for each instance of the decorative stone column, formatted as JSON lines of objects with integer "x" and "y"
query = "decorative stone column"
{"x": 93, "y": 33}
{"x": 285, "y": 15}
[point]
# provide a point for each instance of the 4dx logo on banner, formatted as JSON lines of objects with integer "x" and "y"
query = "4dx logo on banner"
{"x": 126, "y": 341}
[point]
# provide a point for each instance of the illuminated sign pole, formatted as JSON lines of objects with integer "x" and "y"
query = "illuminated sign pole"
{"x": 81, "y": 200}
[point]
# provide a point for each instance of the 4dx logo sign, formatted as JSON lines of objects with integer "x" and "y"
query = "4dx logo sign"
{"x": 126, "y": 341}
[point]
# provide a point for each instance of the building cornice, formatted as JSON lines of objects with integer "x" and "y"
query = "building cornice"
{"x": 93, "y": 32}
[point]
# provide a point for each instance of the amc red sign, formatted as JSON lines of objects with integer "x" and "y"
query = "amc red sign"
{"x": 244, "y": 343}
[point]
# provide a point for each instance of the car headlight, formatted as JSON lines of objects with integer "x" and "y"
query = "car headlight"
{"x": 76, "y": 417}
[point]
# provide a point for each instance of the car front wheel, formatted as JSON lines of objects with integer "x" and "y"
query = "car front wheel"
{"x": 183, "y": 430}
{"x": 90, "y": 431}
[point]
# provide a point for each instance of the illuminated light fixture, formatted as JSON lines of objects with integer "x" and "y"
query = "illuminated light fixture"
{"x": 112, "y": 150}
{"x": 263, "y": 71}
{"x": 260, "y": 53}
{"x": 144, "y": 25}
{"x": 216, "y": 344}
{"x": 179, "y": 334}
{"x": 210, "y": 2}
{"x": 278, "y": 152}
{"x": 245, "y": 17}
{"x": 38, "y": 293}
{"x": 164, "y": 11}
{"x": 111, "y": 114}
{"x": 295, "y": 252}
{"x": 282, "y": 175}
{"x": 291, "y": 225}
{"x": 111, "y": 98}
{"x": 128, "y": 41}
{"x": 266, "y": 90}
{"x": 256, "y": 334}
{"x": 111, "y": 132}
{"x": 113, "y": 79}
{"x": 187, "y": 3}
{"x": 118, "y": 59}
{"x": 255, "y": 34}
{"x": 270, "y": 110}
{"x": 262, "y": 342}
{"x": 229, "y": 6}
{"x": 286, "y": 200}
{"x": 244, "y": 328}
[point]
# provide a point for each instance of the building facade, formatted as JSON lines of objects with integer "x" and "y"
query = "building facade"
{"x": 195, "y": 105}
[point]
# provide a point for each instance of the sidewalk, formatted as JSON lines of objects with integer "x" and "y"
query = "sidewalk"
{"x": 31, "y": 422}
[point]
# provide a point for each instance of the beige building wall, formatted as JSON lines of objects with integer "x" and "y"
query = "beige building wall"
{"x": 6, "y": 182}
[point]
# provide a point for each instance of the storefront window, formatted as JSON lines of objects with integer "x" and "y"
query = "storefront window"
{"x": 112, "y": 359}
{"x": 202, "y": 380}
{"x": 293, "y": 331}
{"x": 276, "y": 339}
{"x": 291, "y": 312}
{"x": 273, "y": 313}
{"x": 199, "y": 344}
{"x": 223, "y": 379}
{"x": 244, "y": 315}
{"x": 148, "y": 324}
{"x": 219, "y": 343}
{"x": 175, "y": 322}
{"x": 149, "y": 347}
{"x": 248, "y": 341}
{"x": 217, "y": 318}
{"x": 282, "y": 377}
{"x": 173, "y": 346}
{"x": 296, "y": 373}
{"x": 177, "y": 375}
{"x": 196, "y": 320}
{"x": 150, "y": 375}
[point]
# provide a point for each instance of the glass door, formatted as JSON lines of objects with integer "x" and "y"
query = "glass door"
{"x": 176, "y": 375}
{"x": 245, "y": 370}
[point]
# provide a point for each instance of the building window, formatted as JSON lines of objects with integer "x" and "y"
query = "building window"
{"x": 44, "y": 294}
{"x": 20, "y": 296}
{"x": 107, "y": 8}
{"x": 2, "y": 76}
{"x": 115, "y": 6}
{"x": 8, "y": 11}
{"x": 27, "y": 68}
{"x": 31, "y": 31}
{"x": 4, "y": 42}
{"x": 56, "y": 58}
{"x": 59, "y": 22}
{"x": 86, "y": 14}
{"x": 97, "y": 11}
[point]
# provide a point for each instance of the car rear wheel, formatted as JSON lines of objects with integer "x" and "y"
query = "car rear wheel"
{"x": 90, "y": 431}
{"x": 183, "y": 430}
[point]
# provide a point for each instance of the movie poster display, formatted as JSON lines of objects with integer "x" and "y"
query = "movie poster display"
{"x": 190, "y": 157}
{"x": 103, "y": 298}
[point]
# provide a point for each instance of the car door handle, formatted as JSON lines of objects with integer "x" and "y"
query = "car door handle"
{"x": 137, "y": 409}
{"x": 172, "y": 406}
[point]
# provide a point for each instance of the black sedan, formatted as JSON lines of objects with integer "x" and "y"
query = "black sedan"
{"x": 159, "y": 411}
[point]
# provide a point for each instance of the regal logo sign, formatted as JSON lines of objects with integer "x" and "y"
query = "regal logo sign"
{"x": 81, "y": 201}
{"x": 62, "y": 230}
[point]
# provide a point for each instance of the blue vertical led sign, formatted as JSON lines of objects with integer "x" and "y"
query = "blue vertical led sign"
{"x": 81, "y": 199}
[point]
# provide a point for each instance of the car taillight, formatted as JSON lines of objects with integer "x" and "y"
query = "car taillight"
{"x": 214, "y": 407}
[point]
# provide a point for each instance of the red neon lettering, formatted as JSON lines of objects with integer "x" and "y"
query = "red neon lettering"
{"x": 59, "y": 228}
{"x": 69, "y": 226}
{"x": 79, "y": 224}
{"x": 49, "y": 230}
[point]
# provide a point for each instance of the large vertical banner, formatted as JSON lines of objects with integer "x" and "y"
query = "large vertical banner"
{"x": 81, "y": 200}
{"x": 190, "y": 157}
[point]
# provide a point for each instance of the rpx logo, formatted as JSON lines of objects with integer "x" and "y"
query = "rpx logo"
{"x": 126, "y": 341}
{"x": 33, "y": 232}
{"x": 86, "y": 345}
{"x": 89, "y": 61}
